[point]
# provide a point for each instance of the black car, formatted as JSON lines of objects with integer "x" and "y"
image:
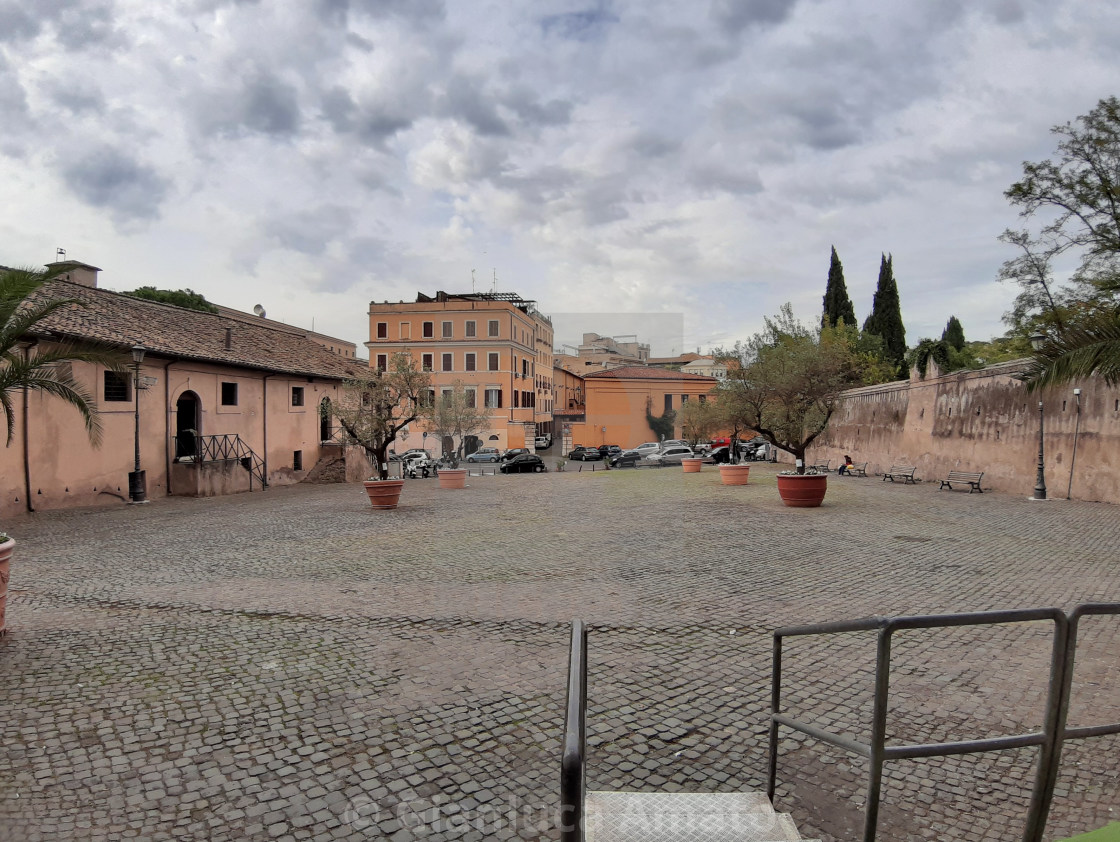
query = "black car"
{"x": 609, "y": 450}
{"x": 514, "y": 451}
{"x": 719, "y": 456}
{"x": 585, "y": 454}
{"x": 626, "y": 459}
{"x": 523, "y": 463}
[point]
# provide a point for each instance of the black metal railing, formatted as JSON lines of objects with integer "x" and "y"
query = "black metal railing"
{"x": 573, "y": 784}
{"x": 223, "y": 448}
{"x": 1049, "y": 740}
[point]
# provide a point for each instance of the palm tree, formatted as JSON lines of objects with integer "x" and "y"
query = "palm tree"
{"x": 1092, "y": 347}
{"x": 43, "y": 369}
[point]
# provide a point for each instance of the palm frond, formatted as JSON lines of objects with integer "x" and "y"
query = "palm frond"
{"x": 1082, "y": 351}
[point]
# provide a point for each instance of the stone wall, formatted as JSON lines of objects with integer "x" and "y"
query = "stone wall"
{"x": 984, "y": 421}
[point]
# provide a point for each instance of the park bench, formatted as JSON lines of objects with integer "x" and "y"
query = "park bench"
{"x": 962, "y": 477}
{"x": 902, "y": 472}
{"x": 821, "y": 467}
{"x": 856, "y": 469}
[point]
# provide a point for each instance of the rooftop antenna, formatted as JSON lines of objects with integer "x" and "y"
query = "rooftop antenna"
{"x": 494, "y": 288}
{"x": 472, "y": 281}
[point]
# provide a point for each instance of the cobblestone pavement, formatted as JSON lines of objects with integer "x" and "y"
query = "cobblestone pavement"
{"x": 293, "y": 665}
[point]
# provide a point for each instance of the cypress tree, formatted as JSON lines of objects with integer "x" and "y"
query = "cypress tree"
{"x": 885, "y": 320}
{"x": 954, "y": 333}
{"x": 837, "y": 304}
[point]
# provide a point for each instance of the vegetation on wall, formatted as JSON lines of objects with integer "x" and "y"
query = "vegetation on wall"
{"x": 179, "y": 297}
{"x": 662, "y": 427}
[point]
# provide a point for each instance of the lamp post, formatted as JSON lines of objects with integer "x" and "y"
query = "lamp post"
{"x": 137, "y": 486}
{"x": 1037, "y": 341}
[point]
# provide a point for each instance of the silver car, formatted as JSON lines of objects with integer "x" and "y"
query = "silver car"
{"x": 671, "y": 455}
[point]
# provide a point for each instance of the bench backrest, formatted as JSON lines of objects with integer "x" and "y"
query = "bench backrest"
{"x": 965, "y": 475}
{"x": 901, "y": 469}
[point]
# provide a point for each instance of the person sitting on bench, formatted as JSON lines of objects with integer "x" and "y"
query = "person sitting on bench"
{"x": 846, "y": 467}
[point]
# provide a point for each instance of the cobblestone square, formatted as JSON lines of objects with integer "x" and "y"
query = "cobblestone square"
{"x": 290, "y": 664}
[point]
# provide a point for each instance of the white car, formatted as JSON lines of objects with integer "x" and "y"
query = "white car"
{"x": 671, "y": 455}
{"x": 647, "y": 448}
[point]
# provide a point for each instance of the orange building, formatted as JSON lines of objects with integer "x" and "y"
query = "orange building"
{"x": 498, "y": 344}
{"x": 617, "y": 400}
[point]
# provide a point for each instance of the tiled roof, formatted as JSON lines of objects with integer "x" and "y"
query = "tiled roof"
{"x": 641, "y": 372}
{"x": 177, "y": 332}
{"x": 682, "y": 358}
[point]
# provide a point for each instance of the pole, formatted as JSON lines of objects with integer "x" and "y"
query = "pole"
{"x": 1040, "y": 480}
{"x": 137, "y": 485}
{"x": 1076, "y": 431}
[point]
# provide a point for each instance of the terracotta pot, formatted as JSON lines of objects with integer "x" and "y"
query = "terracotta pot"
{"x": 453, "y": 478}
{"x": 384, "y": 494}
{"x": 691, "y": 466}
{"x": 802, "y": 491}
{"x": 5, "y": 571}
{"x": 734, "y": 474}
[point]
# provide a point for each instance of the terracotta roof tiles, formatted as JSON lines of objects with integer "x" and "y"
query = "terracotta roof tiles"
{"x": 641, "y": 372}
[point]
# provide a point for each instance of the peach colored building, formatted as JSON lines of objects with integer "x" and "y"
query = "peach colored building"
{"x": 224, "y": 404}
{"x": 498, "y": 344}
{"x": 617, "y": 400}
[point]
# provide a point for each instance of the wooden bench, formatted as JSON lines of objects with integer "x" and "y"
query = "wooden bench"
{"x": 960, "y": 477}
{"x": 820, "y": 466}
{"x": 855, "y": 469}
{"x": 902, "y": 472}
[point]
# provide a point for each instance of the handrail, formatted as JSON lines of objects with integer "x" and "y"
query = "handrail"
{"x": 222, "y": 448}
{"x": 1048, "y": 740}
{"x": 573, "y": 784}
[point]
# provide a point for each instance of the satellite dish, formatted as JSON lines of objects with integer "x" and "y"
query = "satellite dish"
{"x": 259, "y": 310}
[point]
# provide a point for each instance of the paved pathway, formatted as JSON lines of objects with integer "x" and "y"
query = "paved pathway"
{"x": 293, "y": 665}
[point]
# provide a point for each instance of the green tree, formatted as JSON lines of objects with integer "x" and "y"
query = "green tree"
{"x": 27, "y": 365}
{"x": 179, "y": 297}
{"x": 455, "y": 414}
{"x": 374, "y": 406}
{"x": 837, "y": 304}
{"x": 885, "y": 319}
{"x": 1092, "y": 347}
{"x": 699, "y": 420}
{"x": 954, "y": 333}
{"x": 788, "y": 378}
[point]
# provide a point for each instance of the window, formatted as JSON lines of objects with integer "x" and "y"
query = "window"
{"x": 493, "y": 398}
{"x": 703, "y": 398}
{"x": 445, "y": 396}
{"x": 382, "y": 362}
{"x": 472, "y": 401}
{"x": 382, "y": 330}
{"x": 428, "y": 397}
{"x": 469, "y": 362}
{"x": 429, "y": 330}
{"x": 492, "y": 361}
{"x": 426, "y": 362}
{"x": 297, "y": 396}
{"x": 297, "y": 460}
{"x": 229, "y": 394}
{"x": 471, "y": 329}
{"x": 493, "y": 327}
{"x": 447, "y": 330}
{"x": 117, "y": 386}
{"x": 684, "y": 399}
{"x": 516, "y": 399}
{"x": 525, "y": 369}
{"x": 668, "y": 403}
{"x": 447, "y": 362}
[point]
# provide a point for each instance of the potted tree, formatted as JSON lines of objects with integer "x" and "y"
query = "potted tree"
{"x": 372, "y": 410}
{"x": 699, "y": 419}
{"x": 27, "y": 366}
{"x": 455, "y": 415}
{"x": 732, "y": 411}
{"x": 786, "y": 381}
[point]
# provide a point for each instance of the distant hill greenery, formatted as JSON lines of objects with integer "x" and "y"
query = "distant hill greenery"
{"x": 179, "y": 297}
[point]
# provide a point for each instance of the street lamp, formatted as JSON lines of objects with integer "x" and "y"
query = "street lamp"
{"x": 137, "y": 487}
{"x": 1037, "y": 341}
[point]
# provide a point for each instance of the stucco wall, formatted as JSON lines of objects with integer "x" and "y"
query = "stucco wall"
{"x": 984, "y": 421}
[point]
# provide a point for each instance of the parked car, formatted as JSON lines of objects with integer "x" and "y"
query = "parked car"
{"x": 542, "y": 442}
{"x": 646, "y": 448}
{"x": 514, "y": 451}
{"x": 484, "y": 454}
{"x": 674, "y": 443}
{"x": 585, "y": 454}
{"x": 719, "y": 456}
{"x": 609, "y": 450}
{"x": 523, "y": 463}
{"x": 671, "y": 455}
{"x": 626, "y": 459}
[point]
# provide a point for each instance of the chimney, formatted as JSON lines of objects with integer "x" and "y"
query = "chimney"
{"x": 75, "y": 272}
{"x": 229, "y": 338}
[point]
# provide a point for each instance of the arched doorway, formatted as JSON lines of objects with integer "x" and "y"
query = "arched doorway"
{"x": 325, "y": 430}
{"x": 187, "y": 425}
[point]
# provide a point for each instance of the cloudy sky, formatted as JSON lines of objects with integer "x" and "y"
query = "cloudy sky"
{"x": 692, "y": 160}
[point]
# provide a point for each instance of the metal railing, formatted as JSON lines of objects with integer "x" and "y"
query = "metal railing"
{"x": 223, "y": 448}
{"x": 1049, "y": 740}
{"x": 573, "y": 784}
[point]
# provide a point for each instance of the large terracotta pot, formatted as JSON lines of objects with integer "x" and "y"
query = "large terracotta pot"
{"x": 802, "y": 491}
{"x": 691, "y": 466}
{"x": 384, "y": 494}
{"x": 734, "y": 474}
{"x": 5, "y": 571}
{"x": 453, "y": 478}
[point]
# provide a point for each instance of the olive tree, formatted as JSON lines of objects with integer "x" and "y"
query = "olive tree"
{"x": 699, "y": 420}
{"x": 455, "y": 414}
{"x": 785, "y": 381}
{"x": 376, "y": 405}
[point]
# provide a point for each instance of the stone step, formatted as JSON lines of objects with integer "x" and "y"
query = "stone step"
{"x": 685, "y": 817}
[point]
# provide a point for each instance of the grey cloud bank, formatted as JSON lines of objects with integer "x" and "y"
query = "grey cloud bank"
{"x": 600, "y": 157}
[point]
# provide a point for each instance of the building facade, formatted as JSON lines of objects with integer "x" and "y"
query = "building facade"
{"x": 497, "y": 344}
